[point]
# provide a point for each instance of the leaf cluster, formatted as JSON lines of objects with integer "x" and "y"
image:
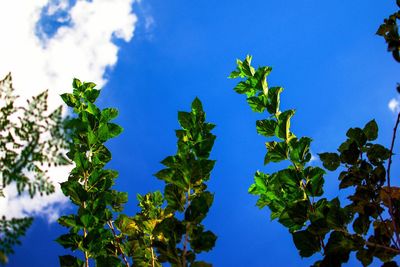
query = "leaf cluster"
{"x": 31, "y": 139}
{"x": 89, "y": 185}
{"x": 294, "y": 194}
{"x": 10, "y": 232}
{"x": 389, "y": 31}
{"x": 174, "y": 233}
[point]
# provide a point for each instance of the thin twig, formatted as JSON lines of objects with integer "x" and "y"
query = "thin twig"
{"x": 110, "y": 224}
{"x": 371, "y": 244}
{"x": 85, "y": 178}
{"x": 387, "y": 229}
{"x": 391, "y": 149}
{"x": 395, "y": 250}
{"x": 388, "y": 181}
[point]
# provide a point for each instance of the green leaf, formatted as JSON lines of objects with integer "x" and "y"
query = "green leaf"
{"x": 114, "y": 130}
{"x": 351, "y": 154}
{"x": 276, "y": 152}
{"x": 258, "y": 103}
{"x": 337, "y": 217}
{"x": 338, "y": 248}
{"x": 92, "y": 95}
{"x": 69, "y": 99}
{"x": 243, "y": 88}
{"x": 75, "y": 191}
{"x": 261, "y": 75}
{"x": 286, "y": 178}
{"x": 92, "y": 138}
{"x": 170, "y": 176}
{"x": 357, "y": 135}
{"x": 266, "y": 127}
{"x": 315, "y": 181}
{"x": 199, "y": 207}
{"x": 119, "y": 198}
{"x": 202, "y": 241}
{"x": 361, "y": 224}
{"x": 185, "y": 119}
{"x": 259, "y": 186}
{"x": 70, "y": 261}
{"x": 68, "y": 221}
{"x": 307, "y": 243}
{"x": 330, "y": 161}
{"x": 87, "y": 220}
{"x": 245, "y": 66}
{"x": 371, "y": 130}
{"x": 234, "y": 74}
{"x": 76, "y": 83}
{"x": 92, "y": 109}
{"x": 108, "y": 114}
{"x": 108, "y": 130}
{"x": 107, "y": 261}
{"x": 175, "y": 197}
{"x": 197, "y": 106}
{"x": 274, "y": 100}
{"x": 70, "y": 240}
{"x": 283, "y": 129}
{"x": 101, "y": 155}
{"x": 200, "y": 264}
{"x": 294, "y": 215}
{"x": 300, "y": 152}
{"x": 377, "y": 154}
{"x": 364, "y": 256}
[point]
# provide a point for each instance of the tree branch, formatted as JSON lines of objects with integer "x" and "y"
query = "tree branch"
{"x": 110, "y": 224}
{"x": 388, "y": 181}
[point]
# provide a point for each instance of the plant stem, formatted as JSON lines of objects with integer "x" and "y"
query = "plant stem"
{"x": 387, "y": 229}
{"x": 152, "y": 257}
{"x": 395, "y": 250}
{"x": 110, "y": 224}
{"x": 372, "y": 244}
{"x": 187, "y": 231}
{"x": 85, "y": 180}
{"x": 311, "y": 202}
{"x": 396, "y": 230}
{"x": 86, "y": 253}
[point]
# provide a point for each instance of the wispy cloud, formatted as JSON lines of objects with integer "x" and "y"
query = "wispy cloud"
{"x": 314, "y": 158}
{"x": 394, "y": 105}
{"x": 45, "y": 43}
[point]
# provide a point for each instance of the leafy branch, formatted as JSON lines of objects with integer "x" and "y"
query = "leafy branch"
{"x": 157, "y": 234}
{"x": 31, "y": 138}
{"x": 322, "y": 225}
{"x": 89, "y": 184}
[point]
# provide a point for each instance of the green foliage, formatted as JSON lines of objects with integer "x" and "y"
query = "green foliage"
{"x": 175, "y": 234}
{"x": 153, "y": 235}
{"x": 389, "y": 30}
{"x": 140, "y": 230}
{"x": 294, "y": 194}
{"x": 186, "y": 191}
{"x": 25, "y": 150}
{"x": 31, "y": 139}
{"x": 89, "y": 184}
{"x": 10, "y": 231}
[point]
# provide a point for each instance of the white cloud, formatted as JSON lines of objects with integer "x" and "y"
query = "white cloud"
{"x": 81, "y": 48}
{"x": 313, "y": 158}
{"x": 394, "y": 105}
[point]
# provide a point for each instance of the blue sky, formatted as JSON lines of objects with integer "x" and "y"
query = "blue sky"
{"x": 335, "y": 71}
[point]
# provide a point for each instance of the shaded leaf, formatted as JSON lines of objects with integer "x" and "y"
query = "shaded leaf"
{"x": 330, "y": 161}
{"x": 371, "y": 130}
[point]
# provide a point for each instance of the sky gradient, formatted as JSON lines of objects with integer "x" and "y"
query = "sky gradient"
{"x": 335, "y": 71}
